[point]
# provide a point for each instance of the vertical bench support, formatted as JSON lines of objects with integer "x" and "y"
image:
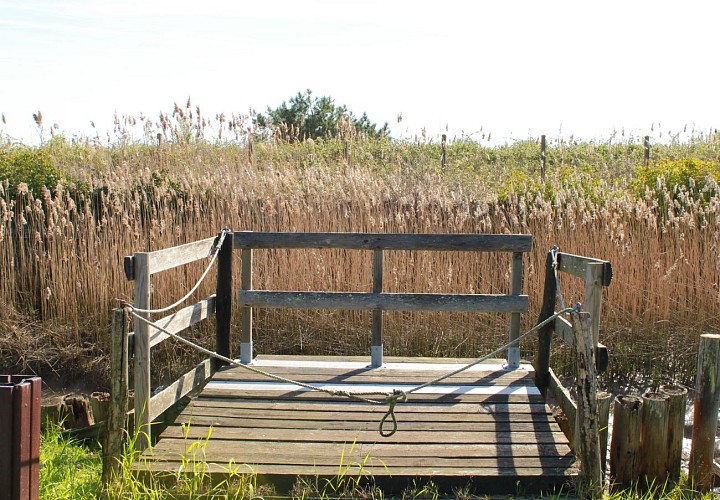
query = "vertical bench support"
{"x": 246, "y": 342}
{"x": 513, "y": 355}
{"x": 376, "y": 349}
{"x": 224, "y": 300}
{"x": 142, "y": 352}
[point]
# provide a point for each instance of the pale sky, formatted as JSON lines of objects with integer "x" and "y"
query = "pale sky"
{"x": 512, "y": 68}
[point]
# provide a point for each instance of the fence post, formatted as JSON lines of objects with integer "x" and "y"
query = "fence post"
{"x": 113, "y": 448}
{"x": 376, "y": 349}
{"x": 142, "y": 352}
{"x": 676, "y": 428}
{"x": 224, "y": 300}
{"x": 246, "y": 283}
{"x": 603, "y": 404}
{"x": 625, "y": 444}
{"x": 516, "y": 281}
{"x": 587, "y": 437}
{"x": 542, "y": 157}
{"x": 444, "y": 150}
{"x": 707, "y": 402}
{"x": 646, "y": 147}
{"x": 542, "y": 356}
{"x": 653, "y": 439}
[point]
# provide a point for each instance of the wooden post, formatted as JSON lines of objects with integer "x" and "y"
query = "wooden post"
{"x": 376, "y": 349}
{"x": 593, "y": 297}
{"x": 653, "y": 439}
{"x": 646, "y": 144}
{"x": 224, "y": 300}
{"x": 707, "y": 403}
{"x": 142, "y": 352}
{"x": 113, "y": 448}
{"x": 346, "y": 151}
{"x": 513, "y": 355}
{"x": 587, "y": 432}
{"x": 444, "y": 150}
{"x": 251, "y": 152}
{"x": 625, "y": 445}
{"x": 246, "y": 283}
{"x": 542, "y": 158}
{"x": 542, "y": 356}
{"x": 603, "y": 402}
{"x": 676, "y": 426}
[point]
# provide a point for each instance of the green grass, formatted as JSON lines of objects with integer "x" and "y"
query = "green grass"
{"x": 71, "y": 469}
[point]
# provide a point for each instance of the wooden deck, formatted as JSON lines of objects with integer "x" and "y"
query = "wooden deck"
{"x": 488, "y": 426}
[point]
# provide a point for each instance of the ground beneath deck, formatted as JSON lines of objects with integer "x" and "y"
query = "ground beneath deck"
{"x": 488, "y": 426}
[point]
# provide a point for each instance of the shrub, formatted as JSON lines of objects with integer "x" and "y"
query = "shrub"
{"x": 33, "y": 167}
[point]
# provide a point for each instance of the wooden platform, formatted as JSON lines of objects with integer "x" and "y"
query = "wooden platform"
{"x": 488, "y": 426}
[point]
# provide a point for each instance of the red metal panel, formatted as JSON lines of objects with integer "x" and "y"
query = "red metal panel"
{"x": 35, "y": 404}
{"x": 6, "y": 434}
{"x": 22, "y": 393}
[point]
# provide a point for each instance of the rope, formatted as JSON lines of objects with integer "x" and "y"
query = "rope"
{"x": 390, "y": 399}
{"x": 218, "y": 246}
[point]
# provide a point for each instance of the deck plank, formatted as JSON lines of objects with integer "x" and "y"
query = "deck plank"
{"x": 486, "y": 423}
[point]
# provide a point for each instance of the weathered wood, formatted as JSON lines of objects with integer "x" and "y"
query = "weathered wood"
{"x": 603, "y": 403}
{"x": 542, "y": 355}
{"x": 381, "y": 241}
{"x": 246, "y": 312}
{"x": 653, "y": 439}
{"x": 188, "y": 382}
{"x": 577, "y": 266}
{"x": 516, "y": 282}
{"x": 129, "y": 267}
{"x": 358, "y": 436}
{"x": 169, "y": 258}
{"x": 563, "y": 329}
{"x": 676, "y": 428}
{"x": 376, "y": 349}
{"x": 593, "y": 297}
{"x": 115, "y": 429}
{"x": 224, "y": 299}
{"x": 707, "y": 403}
{"x": 566, "y": 403}
{"x": 142, "y": 352}
{"x": 625, "y": 444}
{"x": 178, "y": 321}
{"x": 587, "y": 437}
{"x": 359, "y": 301}
{"x": 440, "y": 435}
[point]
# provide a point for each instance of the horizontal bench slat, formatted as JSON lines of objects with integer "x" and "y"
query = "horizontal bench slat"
{"x": 373, "y": 241}
{"x": 385, "y": 301}
{"x": 577, "y": 266}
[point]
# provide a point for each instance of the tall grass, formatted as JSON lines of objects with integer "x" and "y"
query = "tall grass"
{"x": 61, "y": 246}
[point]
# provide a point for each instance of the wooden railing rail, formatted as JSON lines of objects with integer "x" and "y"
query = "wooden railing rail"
{"x": 378, "y": 301}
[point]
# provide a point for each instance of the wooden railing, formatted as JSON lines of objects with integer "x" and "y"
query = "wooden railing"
{"x": 140, "y": 267}
{"x": 597, "y": 274}
{"x": 378, "y": 301}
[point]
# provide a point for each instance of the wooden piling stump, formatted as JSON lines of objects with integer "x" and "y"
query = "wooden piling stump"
{"x": 653, "y": 439}
{"x": 707, "y": 403}
{"x": 676, "y": 425}
{"x": 625, "y": 444}
{"x": 603, "y": 402}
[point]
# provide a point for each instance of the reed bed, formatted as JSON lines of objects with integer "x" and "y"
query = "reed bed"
{"x": 61, "y": 246}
